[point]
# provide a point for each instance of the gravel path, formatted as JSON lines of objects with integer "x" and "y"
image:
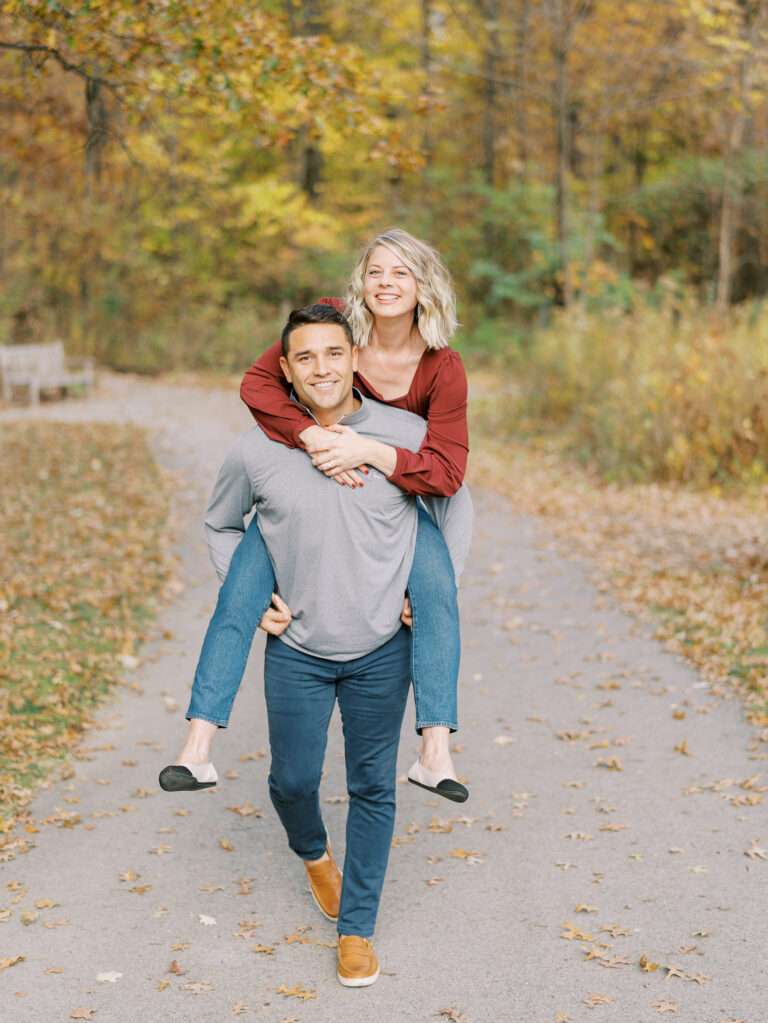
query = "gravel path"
{"x": 589, "y": 840}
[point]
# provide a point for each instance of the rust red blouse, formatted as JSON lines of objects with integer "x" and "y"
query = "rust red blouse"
{"x": 438, "y": 393}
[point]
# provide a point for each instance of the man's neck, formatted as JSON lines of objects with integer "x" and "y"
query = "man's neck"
{"x": 329, "y": 417}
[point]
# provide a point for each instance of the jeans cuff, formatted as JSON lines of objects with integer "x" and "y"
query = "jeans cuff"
{"x": 191, "y": 713}
{"x": 453, "y": 725}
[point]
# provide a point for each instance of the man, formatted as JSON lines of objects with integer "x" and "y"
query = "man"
{"x": 342, "y": 557}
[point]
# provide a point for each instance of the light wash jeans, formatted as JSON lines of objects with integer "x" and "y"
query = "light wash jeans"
{"x": 301, "y": 691}
{"x": 246, "y": 593}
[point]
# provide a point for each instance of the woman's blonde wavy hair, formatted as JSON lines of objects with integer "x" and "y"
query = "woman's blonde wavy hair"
{"x": 435, "y": 312}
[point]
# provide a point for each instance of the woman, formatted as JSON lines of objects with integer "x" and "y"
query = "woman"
{"x": 401, "y": 307}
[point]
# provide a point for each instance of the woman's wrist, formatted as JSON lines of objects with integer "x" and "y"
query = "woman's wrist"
{"x": 381, "y": 456}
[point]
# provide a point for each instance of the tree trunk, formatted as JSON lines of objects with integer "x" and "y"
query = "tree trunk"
{"x": 560, "y": 48}
{"x": 730, "y": 207}
{"x": 492, "y": 49}
{"x": 427, "y": 145}
{"x": 520, "y": 75}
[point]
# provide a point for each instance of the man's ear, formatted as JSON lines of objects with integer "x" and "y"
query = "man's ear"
{"x": 286, "y": 369}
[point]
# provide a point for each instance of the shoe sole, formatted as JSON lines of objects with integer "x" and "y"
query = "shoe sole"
{"x": 333, "y": 919}
{"x": 358, "y": 981}
{"x": 455, "y": 797}
{"x": 171, "y": 781}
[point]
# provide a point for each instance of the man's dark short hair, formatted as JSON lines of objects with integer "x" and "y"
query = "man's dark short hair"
{"x": 318, "y": 313}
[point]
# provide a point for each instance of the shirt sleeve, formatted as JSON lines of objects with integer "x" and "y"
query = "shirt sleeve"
{"x": 266, "y": 392}
{"x": 438, "y": 467}
{"x": 231, "y": 501}
{"x": 454, "y": 517}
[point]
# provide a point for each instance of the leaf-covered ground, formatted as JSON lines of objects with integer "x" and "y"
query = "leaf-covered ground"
{"x": 82, "y": 561}
{"x": 693, "y": 562}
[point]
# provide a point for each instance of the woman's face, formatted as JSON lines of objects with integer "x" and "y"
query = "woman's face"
{"x": 389, "y": 287}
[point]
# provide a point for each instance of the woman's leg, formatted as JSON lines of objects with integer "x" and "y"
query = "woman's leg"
{"x": 436, "y": 645}
{"x": 244, "y": 596}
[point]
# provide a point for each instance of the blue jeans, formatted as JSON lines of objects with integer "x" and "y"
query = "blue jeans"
{"x": 246, "y": 594}
{"x": 372, "y": 691}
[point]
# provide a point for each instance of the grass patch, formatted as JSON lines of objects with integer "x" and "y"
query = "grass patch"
{"x": 693, "y": 562}
{"x": 83, "y": 510}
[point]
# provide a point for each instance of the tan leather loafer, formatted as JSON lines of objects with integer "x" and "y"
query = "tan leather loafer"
{"x": 358, "y": 965}
{"x": 325, "y": 885}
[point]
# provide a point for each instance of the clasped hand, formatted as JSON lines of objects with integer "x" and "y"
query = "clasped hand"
{"x": 337, "y": 451}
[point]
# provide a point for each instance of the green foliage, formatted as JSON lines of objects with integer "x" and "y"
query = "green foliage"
{"x": 662, "y": 393}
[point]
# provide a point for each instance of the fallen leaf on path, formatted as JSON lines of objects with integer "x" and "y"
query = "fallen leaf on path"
{"x": 82, "y": 1014}
{"x": 572, "y": 933}
{"x": 432, "y": 881}
{"x": 664, "y": 1006}
{"x": 265, "y": 950}
{"x": 335, "y": 800}
{"x": 11, "y": 961}
{"x": 756, "y": 852}
{"x": 611, "y": 763}
{"x": 682, "y": 747}
{"x": 239, "y": 1008}
{"x": 141, "y": 793}
{"x": 141, "y": 889}
{"x": 297, "y": 991}
{"x": 160, "y": 850}
{"x": 594, "y": 998}
{"x": 247, "y": 809}
{"x": 503, "y": 740}
{"x": 130, "y": 875}
{"x": 181, "y": 946}
{"x": 206, "y": 921}
{"x": 45, "y": 904}
{"x": 197, "y": 987}
{"x": 438, "y": 826}
{"x": 176, "y": 968}
{"x": 163, "y": 984}
{"x": 244, "y": 885}
{"x": 210, "y": 888}
{"x": 454, "y": 1015}
{"x": 258, "y": 754}
{"x": 110, "y": 977}
{"x": 612, "y": 827}
{"x": 226, "y": 845}
{"x": 5, "y": 914}
{"x": 55, "y": 969}
{"x": 28, "y": 917}
{"x": 646, "y": 965}
{"x": 578, "y": 836}
{"x": 582, "y": 907}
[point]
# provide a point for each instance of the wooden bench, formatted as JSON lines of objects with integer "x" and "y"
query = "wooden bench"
{"x": 44, "y": 367}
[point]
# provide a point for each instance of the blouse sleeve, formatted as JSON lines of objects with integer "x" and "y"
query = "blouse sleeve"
{"x": 266, "y": 392}
{"x": 438, "y": 467}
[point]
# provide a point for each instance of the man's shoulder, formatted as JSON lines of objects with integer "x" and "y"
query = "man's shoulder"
{"x": 393, "y": 422}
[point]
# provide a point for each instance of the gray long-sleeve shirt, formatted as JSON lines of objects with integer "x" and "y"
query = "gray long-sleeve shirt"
{"x": 341, "y": 556}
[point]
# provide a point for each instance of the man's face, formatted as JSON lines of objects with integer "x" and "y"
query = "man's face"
{"x": 320, "y": 364}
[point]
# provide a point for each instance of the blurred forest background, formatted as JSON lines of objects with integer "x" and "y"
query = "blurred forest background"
{"x": 174, "y": 176}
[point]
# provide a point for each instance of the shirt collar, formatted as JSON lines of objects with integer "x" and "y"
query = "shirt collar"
{"x": 351, "y": 419}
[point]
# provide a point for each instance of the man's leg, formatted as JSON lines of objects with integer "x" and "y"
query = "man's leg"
{"x": 300, "y": 692}
{"x": 372, "y": 695}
